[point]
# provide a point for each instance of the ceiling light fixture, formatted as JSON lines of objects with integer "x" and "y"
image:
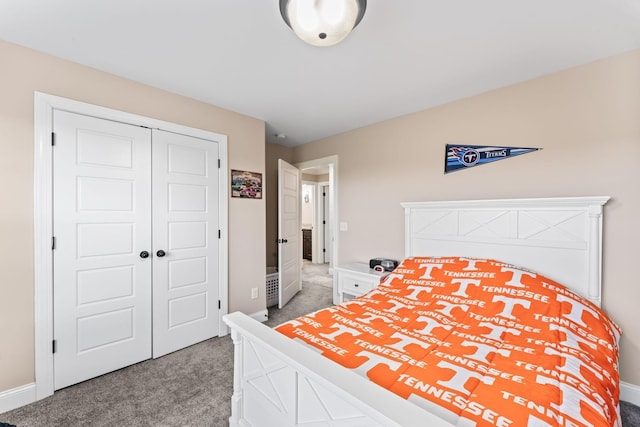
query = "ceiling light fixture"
{"x": 322, "y": 22}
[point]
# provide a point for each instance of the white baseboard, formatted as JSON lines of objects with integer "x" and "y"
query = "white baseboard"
{"x": 260, "y": 316}
{"x": 17, "y": 397}
{"x": 630, "y": 393}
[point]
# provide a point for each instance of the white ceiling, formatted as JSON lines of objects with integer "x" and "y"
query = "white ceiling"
{"x": 405, "y": 56}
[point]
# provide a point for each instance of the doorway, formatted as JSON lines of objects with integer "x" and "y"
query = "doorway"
{"x": 322, "y": 174}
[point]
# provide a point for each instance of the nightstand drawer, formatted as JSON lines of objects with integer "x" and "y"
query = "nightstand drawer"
{"x": 357, "y": 285}
{"x": 355, "y": 279}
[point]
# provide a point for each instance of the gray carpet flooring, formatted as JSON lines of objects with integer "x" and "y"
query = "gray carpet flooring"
{"x": 191, "y": 387}
{"x": 630, "y": 414}
{"x": 316, "y": 274}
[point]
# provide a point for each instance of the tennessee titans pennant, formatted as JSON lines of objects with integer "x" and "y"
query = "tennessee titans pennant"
{"x": 467, "y": 156}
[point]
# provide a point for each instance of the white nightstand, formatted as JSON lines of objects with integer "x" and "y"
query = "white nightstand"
{"x": 355, "y": 279}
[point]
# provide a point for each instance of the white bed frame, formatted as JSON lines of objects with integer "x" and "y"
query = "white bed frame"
{"x": 278, "y": 382}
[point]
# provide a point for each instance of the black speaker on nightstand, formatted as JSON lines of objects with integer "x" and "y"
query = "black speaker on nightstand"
{"x": 388, "y": 264}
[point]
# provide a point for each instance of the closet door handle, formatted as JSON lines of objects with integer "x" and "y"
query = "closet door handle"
{"x": 161, "y": 253}
{"x": 144, "y": 254}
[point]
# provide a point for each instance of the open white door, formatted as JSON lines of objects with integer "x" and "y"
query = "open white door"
{"x": 289, "y": 232}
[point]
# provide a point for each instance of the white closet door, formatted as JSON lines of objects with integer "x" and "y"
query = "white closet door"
{"x": 185, "y": 229}
{"x": 101, "y": 209}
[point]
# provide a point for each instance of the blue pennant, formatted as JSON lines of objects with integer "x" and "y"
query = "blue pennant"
{"x": 467, "y": 156}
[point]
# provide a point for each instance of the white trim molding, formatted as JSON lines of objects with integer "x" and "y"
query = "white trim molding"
{"x": 44, "y": 106}
{"x": 630, "y": 393}
{"x": 17, "y": 397}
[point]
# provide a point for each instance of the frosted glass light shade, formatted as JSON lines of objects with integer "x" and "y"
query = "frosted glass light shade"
{"x": 322, "y": 22}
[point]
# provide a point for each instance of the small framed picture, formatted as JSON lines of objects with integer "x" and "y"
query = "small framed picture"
{"x": 247, "y": 185}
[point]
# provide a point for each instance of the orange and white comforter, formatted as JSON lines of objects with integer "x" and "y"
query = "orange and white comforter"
{"x": 478, "y": 342}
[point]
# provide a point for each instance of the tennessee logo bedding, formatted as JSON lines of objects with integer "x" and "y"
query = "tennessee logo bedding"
{"x": 478, "y": 342}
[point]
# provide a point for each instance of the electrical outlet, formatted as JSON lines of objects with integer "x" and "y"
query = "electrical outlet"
{"x": 344, "y": 226}
{"x": 254, "y": 293}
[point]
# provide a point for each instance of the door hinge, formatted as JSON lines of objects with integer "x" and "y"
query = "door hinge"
{"x": 53, "y": 138}
{"x": 53, "y": 243}
{"x": 219, "y": 304}
{"x": 54, "y": 346}
{"x": 218, "y": 163}
{"x": 219, "y": 234}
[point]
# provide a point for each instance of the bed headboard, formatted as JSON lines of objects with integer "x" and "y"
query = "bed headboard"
{"x": 560, "y": 238}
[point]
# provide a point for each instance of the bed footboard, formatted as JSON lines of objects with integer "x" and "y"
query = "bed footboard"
{"x": 278, "y": 382}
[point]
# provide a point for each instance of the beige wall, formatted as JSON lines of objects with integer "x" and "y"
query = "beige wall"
{"x": 23, "y": 71}
{"x": 587, "y": 119}
{"x": 273, "y": 153}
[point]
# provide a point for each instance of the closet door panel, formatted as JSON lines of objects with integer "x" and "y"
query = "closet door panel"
{"x": 101, "y": 209}
{"x": 185, "y": 229}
